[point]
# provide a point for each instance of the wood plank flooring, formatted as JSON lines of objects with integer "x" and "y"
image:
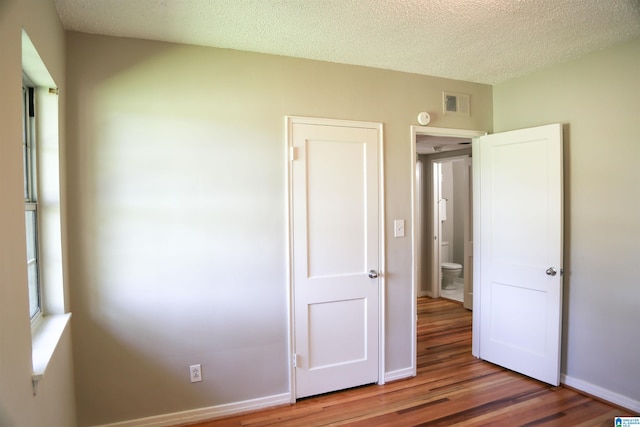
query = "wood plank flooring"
{"x": 452, "y": 388}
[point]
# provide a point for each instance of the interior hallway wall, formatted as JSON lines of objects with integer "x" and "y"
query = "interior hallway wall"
{"x": 460, "y": 197}
{"x": 597, "y": 98}
{"x": 176, "y": 163}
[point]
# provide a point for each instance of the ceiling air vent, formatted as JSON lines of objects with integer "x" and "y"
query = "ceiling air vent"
{"x": 456, "y": 104}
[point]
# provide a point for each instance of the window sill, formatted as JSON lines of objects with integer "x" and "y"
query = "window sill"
{"x": 44, "y": 340}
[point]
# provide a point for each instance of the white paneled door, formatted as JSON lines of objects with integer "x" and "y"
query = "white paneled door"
{"x": 335, "y": 253}
{"x": 520, "y": 252}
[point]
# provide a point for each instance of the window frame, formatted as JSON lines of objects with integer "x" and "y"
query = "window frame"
{"x": 30, "y": 175}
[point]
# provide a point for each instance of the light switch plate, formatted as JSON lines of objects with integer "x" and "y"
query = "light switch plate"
{"x": 398, "y": 228}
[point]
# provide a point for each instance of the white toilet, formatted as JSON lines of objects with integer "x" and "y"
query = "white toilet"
{"x": 450, "y": 271}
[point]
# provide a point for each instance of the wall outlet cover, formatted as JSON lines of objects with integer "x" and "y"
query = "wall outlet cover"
{"x": 195, "y": 373}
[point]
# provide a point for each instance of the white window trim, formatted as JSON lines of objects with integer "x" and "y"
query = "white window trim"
{"x": 48, "y": 327}
{"x": 45, "y": 337}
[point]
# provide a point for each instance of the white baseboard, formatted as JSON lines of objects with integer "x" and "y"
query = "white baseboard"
{"x": 400, "y": 374}
{"x": 204, "y": 414}
{"x": 219, "y": 411}
{"x": 602, "y": 393}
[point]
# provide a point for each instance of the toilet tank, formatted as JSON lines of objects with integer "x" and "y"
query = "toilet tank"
{"x": 445, "y": 252}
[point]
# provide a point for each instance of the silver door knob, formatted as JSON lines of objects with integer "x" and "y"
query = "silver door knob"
{"x": 551, "y": 271}
{"x": 373, "y": 274}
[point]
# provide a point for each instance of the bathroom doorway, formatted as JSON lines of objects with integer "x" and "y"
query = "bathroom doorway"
{"x": 452, "y": 258}
{"x": 442, "y": 204}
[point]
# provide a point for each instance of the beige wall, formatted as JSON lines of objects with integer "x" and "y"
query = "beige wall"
{"x": 54, "y": 403}
{"x": 176, "y": 236}
{"x": 177, "y": 212}
{"x": 461, "y": 205}
{"x": 597, "y": 98}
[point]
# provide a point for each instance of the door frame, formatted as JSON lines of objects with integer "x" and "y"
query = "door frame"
{"x": 436, "y": 228}
{"x": 435, "y": 165}
{"x": 443, "y": 132}
{"x": 289, "y": 156}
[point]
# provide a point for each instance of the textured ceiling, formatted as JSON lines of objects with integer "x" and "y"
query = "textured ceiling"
{"x": 484, "y": 41}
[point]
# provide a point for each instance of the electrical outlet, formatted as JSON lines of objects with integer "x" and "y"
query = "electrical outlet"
{"x": 195, "y": 372}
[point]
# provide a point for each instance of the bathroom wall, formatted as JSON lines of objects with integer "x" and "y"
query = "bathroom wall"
{"x": 460, "y": 193}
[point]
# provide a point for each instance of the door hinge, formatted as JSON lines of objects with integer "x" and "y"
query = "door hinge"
{"x": 295, "y": 360}
{"x": 292, "y": 154}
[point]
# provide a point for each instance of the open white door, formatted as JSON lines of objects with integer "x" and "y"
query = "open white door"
{"x": 336, "y": 241}
{"x": 519, "y": 241}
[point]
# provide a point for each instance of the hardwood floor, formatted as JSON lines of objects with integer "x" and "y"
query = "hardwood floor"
{"x": 451, "y": 388}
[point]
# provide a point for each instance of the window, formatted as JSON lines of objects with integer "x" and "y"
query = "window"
{"x": 42, "y": 200}
{"x": 30, "y": 196}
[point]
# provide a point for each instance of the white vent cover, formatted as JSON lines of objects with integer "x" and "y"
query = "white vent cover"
{"x": 456, "y": 103}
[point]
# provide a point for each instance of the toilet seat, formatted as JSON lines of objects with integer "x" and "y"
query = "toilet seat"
{"x": 450, "y": 266}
